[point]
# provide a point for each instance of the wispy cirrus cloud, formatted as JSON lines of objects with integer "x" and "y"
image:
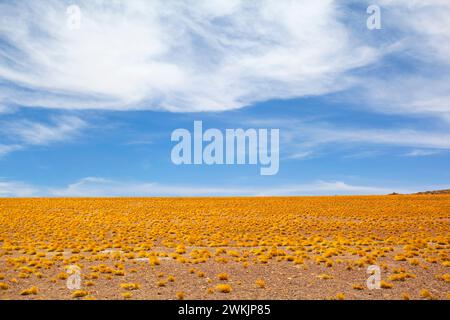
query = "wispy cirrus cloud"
{"x": 25, "y": 133}
{"x": 16, "y": 189}
{"x": 35, "y": 133}
{"x": 419, "y": 86}
{"x": 390, "y": 137}
{"x": 422, "y": 153}
{"x": 305, "y": 139}
{"x": 317, "y": 139}
{"x": 6, "y": 149}
{"x": 102, "y": 187}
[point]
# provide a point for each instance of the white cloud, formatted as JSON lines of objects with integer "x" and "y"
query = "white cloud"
{"x": 302, "y": 139}
{"x": 6, "y": 149}
{"x": 427, "y": 20}
{"x": 101, "y": 187}
{"x": 365, "y": 154}
{"x": 422, "y": 153}
{"x": 301, "y": 155}
{"x": 420, "y": 85}
{"x": 34, "y": 133}
{"x": 177, "y": 56}
{"x": 16, "y": 189}
{"x": 327, "y": 188}
{"x": 407, "y": 94}
{"x": 25, "y": 133}
{"x": 389, "y": 137}
{"x": 311, "y": 139}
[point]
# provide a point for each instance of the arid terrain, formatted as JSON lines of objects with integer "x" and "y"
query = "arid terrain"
{"x": 225, "y": 248}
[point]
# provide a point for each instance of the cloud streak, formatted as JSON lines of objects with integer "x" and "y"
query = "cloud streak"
{"x": 422, "y": 153}
{"x": 101, "y": 187}
{"x": 16, "y": 189}
{"x": 305, "y": 139}
{"x": 6, "y": 149}
{"x": 25, "y": 133}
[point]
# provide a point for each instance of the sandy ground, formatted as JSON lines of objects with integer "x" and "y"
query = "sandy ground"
{"x": 283, "y": 280}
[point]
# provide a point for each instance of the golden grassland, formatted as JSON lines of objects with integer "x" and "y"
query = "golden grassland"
{"x": 226, "y": 248}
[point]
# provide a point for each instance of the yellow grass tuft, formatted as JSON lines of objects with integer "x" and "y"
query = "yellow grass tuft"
{"x": 357, "y": 287}
{"x": 324, "y": 276}
{"x": 180, "y": 295}
{"x": 223, "y": 276}
{"x": 79, "y": 294}
{"x": 201, "y": 274}
{"x": 424, "y": 293}
{"x": 444, "y": 277}
{"x": 161, "y": 283}
{"x": 224, "y": 288}
{"x": 130, "y": 286}
{"x": 127, "y": 295}
{"x": 260, "y": 283}
{"x": 31, "y": 291}
{"x": 154, "y": 261}
{"x": 386, "y": 285}
{"x": 340, "y": 296}
{"x": 401, "y": 276}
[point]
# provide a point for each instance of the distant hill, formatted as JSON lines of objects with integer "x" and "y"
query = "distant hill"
{"x": 447, "y": 191}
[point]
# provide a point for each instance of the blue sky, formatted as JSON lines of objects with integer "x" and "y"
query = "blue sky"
{"x": 89, "y": 112}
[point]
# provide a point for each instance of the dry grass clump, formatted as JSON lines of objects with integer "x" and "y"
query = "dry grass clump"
{"x": 325, "y": 276}
{"x": 154, "y": 261}
{"x": 180, "y": 295}
{"x": 444, "y": 277}
{"x": 127, "y": 295}
{"x": 31, "y": 291}
{"x": 260, "y": 283}
{"x": 130, "y": 286}
{"x": 4, "y": 286}
{"x": 223, "y": 276}
{"x": 424, "y": 293}
{"x": 200, "y": 274}
{"x": 357, "y": 287}
{"x": 340, "y": 296}
{"x": 161, "y": 283}
{"x": 401, "y": 276}
{"x": 79, "y": 294}
{"x": 224, "y": 288}
{"x": 386, "y": 285}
